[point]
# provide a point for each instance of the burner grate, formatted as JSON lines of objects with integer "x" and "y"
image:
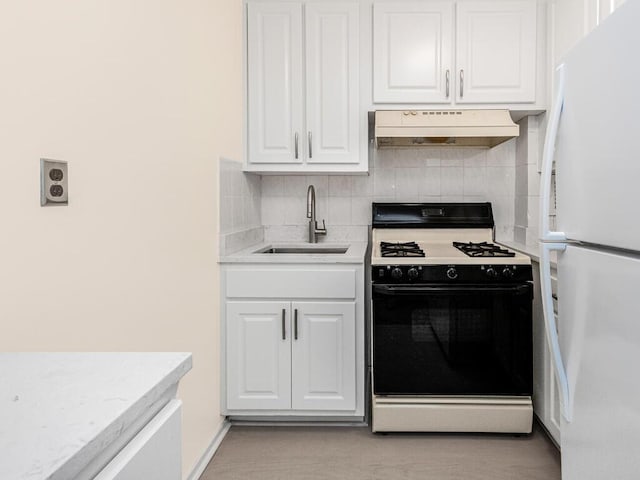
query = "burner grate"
{"x": 483, "y": 249}
{"x": 400, "y": 249}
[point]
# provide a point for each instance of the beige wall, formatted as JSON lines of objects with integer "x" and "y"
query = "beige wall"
{"x": 141, "y": 97}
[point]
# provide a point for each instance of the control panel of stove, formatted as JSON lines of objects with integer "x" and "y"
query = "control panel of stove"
{"x": 451, "y": 273}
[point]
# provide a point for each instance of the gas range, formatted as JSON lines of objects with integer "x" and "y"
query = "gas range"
{"x": 431, "y": 250}
{"x": 451, "y": 322}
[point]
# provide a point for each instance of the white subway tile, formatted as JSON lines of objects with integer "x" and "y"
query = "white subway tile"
{"x": 272, "y": 185}
{"x": 295, "y": 210}
{"x": 451, "y": 157}
{"x": 339, "y": 186}
{"x": 361, "y": 211}
{"x": 502, "y": 155}
{"x": 429, "y": 156}
{"x": 501, "y": 181}
{"x": 475, "y": 181}
{"x": 452, "y": 181}
{"x": 273, "y": 210}
{"x": 280, "y": 233}
{"x": 384, "y": 182}
{"x": 339, "y": 211}
{"x": 521, "y": 211}
{"x": 503, "y": 210}
{"x": 320, "y": 184}
{"x": 408, "y": 181}
{"x": 474, "y": 157}
{"x": 430, "y": 198}
{"x": 361, "y": 185}
{"x": 521, "y": 187}
{"x": 295, "y": 186}
{"x": 533, "y": 179}
{"x": 430, "y": 184}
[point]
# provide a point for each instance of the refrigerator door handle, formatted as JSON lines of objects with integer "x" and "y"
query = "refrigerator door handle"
{"x": 547, "y": 161}
{"x": 551, "y": 327}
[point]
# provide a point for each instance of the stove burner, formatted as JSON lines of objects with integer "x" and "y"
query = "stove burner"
{"x": 483, "y": 249}
{"x": 406, "y": 249}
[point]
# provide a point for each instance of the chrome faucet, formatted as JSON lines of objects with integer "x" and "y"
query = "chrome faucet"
{"x": 314, "y": 231}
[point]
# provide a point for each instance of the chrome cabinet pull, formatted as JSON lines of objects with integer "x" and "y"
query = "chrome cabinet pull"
{"x": 284, "y": 332}
{"x": 310, "y": 146}
{"x": 461, "y": 83}
{"x": 296, "y": 145}
{"x": 447, "y": 83}
{"x": 295, "y": 324}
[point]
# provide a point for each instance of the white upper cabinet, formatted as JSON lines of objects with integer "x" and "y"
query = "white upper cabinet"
{"x": 496, "y": 51}
{"x": 487, "y": 55}
{"x": 275, "y": 122}
{"x": 303, "y": 87}
{"x": 412, "y": 44}
{"x": 332, "y": 83}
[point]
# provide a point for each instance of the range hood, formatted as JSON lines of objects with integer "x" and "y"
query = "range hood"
{"x": 467, "y": 128}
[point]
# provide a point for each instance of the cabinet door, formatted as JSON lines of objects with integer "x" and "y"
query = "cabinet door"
{"x": 496, "y": 51}
{"x": 324, "y": 356}
{"x": 258, "y": 355}
{"x": 274, "y": 79}
{"x": 332, "y": 81}
{"x": 412, "y": 52}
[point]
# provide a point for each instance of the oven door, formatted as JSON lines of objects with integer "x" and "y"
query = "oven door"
{"x": 452, "y": 340}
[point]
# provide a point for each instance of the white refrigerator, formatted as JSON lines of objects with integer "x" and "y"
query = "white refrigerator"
{"x": 593, "y": 136}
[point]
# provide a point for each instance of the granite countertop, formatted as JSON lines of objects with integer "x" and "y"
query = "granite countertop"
{"x": 58, "y": 411}
{"x": 355, "y": 254}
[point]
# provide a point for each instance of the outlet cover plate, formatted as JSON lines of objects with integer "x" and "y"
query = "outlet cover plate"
{"x": 54, "y": 182}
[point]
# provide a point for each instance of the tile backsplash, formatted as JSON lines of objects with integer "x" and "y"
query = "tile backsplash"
{"x": 240, "y": 207}
{"x": 428, "y": 174}
{"x": 272, "y": 208}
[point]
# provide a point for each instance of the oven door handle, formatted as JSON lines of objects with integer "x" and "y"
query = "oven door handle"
{"x": 439, "y": 289}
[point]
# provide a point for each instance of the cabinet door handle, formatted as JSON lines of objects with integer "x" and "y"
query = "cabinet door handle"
{"x": 461, "y": 83}
{"x": 284, "y": 332}
{"x": 295, "y": 324}
{"x": 447, "y": 84}
{"x": 310, "y": 146}
{"x": 296, "y": 145}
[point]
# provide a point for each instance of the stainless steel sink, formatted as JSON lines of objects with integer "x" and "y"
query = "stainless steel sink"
{"x": 306, "y": 250}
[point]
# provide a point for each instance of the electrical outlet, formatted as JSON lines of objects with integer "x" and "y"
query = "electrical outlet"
{"x": 54, "y": 182}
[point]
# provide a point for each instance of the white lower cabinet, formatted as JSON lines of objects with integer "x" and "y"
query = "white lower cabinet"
{"x": 323, "y": 360}
{"x": 293, "y": 340}
{"x": 154, "y": 453}
{"x": 291, "y": 355}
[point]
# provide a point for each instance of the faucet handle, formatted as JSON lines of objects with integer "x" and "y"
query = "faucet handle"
{"x": 323, "y": 230}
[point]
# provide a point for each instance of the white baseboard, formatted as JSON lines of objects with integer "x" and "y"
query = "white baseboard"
{"x": 201, "y": 464}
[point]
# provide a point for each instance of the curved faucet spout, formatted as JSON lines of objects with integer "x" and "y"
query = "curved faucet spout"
{"x": 311, "y": 202}
{"x": 314, "y": 231}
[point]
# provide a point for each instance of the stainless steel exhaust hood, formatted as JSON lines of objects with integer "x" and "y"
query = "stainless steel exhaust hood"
{"x": 468, "y": 128}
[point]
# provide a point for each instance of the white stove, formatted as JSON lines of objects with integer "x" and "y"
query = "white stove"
{"x": 451, "y": 322}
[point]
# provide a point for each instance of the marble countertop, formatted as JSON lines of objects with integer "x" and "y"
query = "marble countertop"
{"x": 355, "y": 254}
{"x": 58, "y": 411}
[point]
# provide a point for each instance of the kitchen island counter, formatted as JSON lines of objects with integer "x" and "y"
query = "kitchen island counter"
{"x": 66, "y": 415}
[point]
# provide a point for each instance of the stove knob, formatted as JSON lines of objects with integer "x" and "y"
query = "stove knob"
{"x": 507, "y": 273}
{"x": 396, "y": 273}
{"x": 413, "y": 273}
{"x": 491, "y": 272}
{"x": 452, "y": 273}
